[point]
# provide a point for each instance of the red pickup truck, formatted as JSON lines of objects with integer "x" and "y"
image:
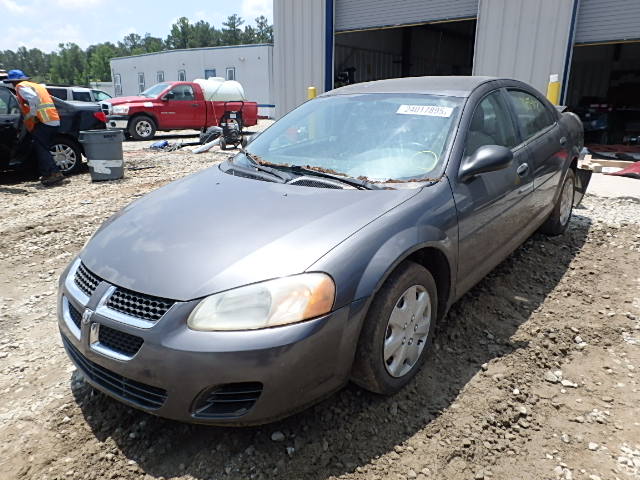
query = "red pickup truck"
{"x": 174, "y": 106}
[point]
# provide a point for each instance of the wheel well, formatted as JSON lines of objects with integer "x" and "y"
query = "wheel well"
{"x": 149, "y": 116}
{"x": 436, "y": 262}
{"x": 70, "y": 138}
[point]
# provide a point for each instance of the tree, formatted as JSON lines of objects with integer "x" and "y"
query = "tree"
{"x": 70, "y": 65}
{"x": 152, "y": 44}
{"x": 249, "y": 35}
{"x": 180, "y": 34}
{"x": 231, "y": 33}
{"x": 131, "y": 44}
{"x": 99, "y": 59}
{"x": 264, "y": 31}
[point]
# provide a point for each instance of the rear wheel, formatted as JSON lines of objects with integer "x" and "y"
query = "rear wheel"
{"x": 223, "y": 143}
{"x": 66, "y": 154}
{"x": 397, "y": 331}
{"x": 559, "y": 219}
{"x": 142, "y": 128}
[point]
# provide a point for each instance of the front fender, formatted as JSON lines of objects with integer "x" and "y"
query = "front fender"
{"x": 361, "y": 263}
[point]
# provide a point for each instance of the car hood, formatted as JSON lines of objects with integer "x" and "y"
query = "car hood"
{"x": 212, "y": 231}
{"x": 123, "y": 100}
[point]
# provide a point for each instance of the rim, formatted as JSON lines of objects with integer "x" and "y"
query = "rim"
{"x": 64, "y": 156}
{"x": 566, "y": 201}
{"x": 407, "y": 331}
{"x": 143, "y": 128}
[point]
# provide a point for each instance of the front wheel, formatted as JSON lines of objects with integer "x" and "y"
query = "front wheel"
{"x": 142, "y": 128}
{"x": 397, "y": 330}
{"x": 559, "y": 219}
{"x": 66, "y": 154}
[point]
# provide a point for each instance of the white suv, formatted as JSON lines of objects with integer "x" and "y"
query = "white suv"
{"x": 79, "y": 94}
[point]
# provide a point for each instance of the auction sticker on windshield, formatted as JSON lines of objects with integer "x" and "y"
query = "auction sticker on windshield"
{"x": 427, "y": 110}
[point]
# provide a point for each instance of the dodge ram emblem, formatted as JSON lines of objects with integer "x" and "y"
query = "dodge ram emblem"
{"x": 86, "y": 316}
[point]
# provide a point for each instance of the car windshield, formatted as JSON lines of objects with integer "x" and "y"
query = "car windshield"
{"x": 374, "y": 137}
{"x": 153, "y": 92}
{"x": 100, "y": 95}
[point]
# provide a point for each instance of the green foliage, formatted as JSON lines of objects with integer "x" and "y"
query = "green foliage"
{"x": 74, "y": 66}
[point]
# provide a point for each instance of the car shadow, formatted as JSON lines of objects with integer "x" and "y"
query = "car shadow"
{"x": 353, "y": 427}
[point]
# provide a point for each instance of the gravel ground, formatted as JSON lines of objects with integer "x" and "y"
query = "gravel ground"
{"x": 533, "y": 375}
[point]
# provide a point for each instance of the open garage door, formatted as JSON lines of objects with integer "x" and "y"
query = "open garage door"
{"x": 608, "y": 20}
{"x": 604, "y": 90}
{"x": 441, "y": 48}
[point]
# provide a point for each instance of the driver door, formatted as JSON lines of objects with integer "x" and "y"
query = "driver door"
{"x": 182, "y": 109}
{"x": 10, "y": 123}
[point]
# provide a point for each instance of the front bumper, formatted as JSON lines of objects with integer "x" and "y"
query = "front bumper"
{"x": 117, "y": 122}
{"x": 177, "y": 370}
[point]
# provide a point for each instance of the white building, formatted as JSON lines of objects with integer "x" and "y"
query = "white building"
{"x": 592, "y": 45}
{"x": 251, "y": 65}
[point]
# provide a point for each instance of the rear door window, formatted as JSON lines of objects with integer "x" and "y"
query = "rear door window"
{"x": 532, "y": 115}
{"x": 491, "y": 125}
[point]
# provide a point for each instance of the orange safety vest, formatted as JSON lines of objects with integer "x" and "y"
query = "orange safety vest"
{"x": 45, "y": 112}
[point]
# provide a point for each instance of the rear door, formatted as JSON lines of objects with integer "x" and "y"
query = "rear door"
{"x": 187, "y": 111}
{"x": 547, "y": 144}
{"x": 493, "y": 208}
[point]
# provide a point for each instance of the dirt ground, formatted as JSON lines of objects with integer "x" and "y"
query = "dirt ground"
{"x": 533, "y": 375}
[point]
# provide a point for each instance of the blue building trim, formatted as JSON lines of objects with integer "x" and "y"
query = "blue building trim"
{"x": 569, "y": 53}
{"x": 329, "y": 32}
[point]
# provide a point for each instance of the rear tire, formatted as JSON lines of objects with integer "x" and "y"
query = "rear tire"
{"x": 67, "y": 154}
{"x": 223, "y": 144}
{"x": 142, "y": 128}
{"x": 397, "y": 331}
{"x": 561, "y": 215}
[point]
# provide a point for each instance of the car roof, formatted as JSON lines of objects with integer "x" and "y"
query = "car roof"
{"x": 453, "y": 86}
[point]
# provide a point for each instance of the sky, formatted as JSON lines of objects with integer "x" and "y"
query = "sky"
{"x": 44, "y": 24}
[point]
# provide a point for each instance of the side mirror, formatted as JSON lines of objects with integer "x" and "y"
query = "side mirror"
{"x": 169, "y": 96}
{"x": 488, "y": 158}
{"x": 247, "y": 139}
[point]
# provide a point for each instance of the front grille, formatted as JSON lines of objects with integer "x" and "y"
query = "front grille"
{"x": 85, "y": 280}
{"x": 143, "y": 395}
{"x": 231, "y": 400}
{"x": 76, "y": 316}
{"x": 118, "y": 341}
{"x": 139, "y": 305}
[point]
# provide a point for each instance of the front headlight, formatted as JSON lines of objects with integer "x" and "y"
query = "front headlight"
{"x": 267, "y": 304}
{"x": 121, "y": 109}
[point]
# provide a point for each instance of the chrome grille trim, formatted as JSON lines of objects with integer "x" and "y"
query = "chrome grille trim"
{"x": 72, "y": 287}
{"x": 68, "y": 321}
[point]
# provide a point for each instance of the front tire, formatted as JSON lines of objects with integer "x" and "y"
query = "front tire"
{"x": 561, "y": 215}
{"x": 142, "y": 128}
{"x": 397, "y": 331}
{"x": 66, "y": 154}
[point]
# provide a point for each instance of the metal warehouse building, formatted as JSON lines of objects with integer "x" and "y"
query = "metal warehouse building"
{"x": 251, "y": 65}
{"x": 593, "y": 45}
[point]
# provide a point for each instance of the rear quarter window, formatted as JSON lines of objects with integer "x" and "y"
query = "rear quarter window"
{"x": 82, "y": 96}
{"x": 60, "y": 93}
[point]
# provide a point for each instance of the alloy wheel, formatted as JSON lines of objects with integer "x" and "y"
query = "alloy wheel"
{"x": 64, "y": 156}
{"x": 143, "y": 128}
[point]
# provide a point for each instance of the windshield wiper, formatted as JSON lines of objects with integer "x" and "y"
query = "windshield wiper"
{"x": 354, "y": 182}
{"x": 257, "y": 164}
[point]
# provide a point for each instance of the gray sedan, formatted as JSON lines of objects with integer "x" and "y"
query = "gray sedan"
{"x": 326, "y": 251}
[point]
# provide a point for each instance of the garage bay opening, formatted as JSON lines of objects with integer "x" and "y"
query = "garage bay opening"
{"x": 442, "y": 48}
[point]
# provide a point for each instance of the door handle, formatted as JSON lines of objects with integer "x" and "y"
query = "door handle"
{"x": 194, "y": 104}
{"x": 522, "y": 169}
{"x": 563, "y": 141}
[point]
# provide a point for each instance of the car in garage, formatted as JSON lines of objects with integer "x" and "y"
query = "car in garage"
{"x": 67, "y": 151}
{"x": 326, "y": 251}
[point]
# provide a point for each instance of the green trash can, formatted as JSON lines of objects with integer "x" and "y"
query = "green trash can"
{"x": 103, "y": 149}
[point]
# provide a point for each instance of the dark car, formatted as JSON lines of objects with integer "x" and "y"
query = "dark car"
{"x": 326, "y": 252}
{"x": 15, "y": 144}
